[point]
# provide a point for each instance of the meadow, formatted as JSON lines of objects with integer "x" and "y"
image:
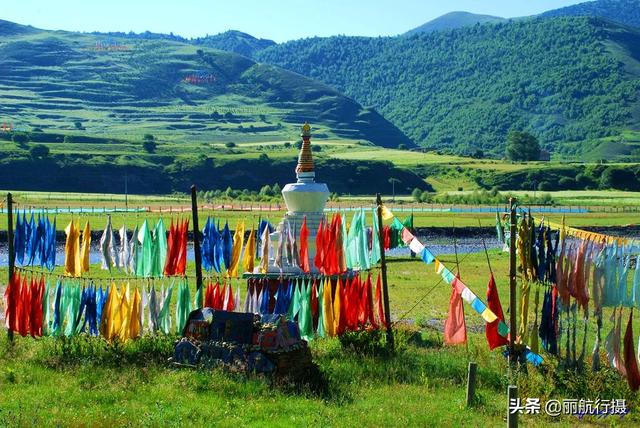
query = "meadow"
{"x": 85, "y": 381}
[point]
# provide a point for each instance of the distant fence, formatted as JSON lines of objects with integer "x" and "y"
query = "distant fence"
{"x": 332, "y": 207}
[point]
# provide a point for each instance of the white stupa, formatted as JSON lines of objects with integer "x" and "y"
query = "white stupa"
{"x": 304, "y": 198}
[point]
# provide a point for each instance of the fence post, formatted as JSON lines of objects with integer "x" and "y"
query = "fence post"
{"x": 196, "y": 238}
{"x": 471, "y": 383}
{"x": 11, "y": 256}
{"x": 383, "y": 269}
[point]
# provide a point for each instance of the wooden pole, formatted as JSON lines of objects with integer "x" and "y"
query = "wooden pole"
{"x": 471, "y": 383}
{"x": 196, "y": 237}
{"x": 512, "y": 281}
{"x": 383, "y": 268}
{"x": 12, "y": 255}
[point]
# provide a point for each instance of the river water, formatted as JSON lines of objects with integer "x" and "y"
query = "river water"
{"x": 438, "y": 244}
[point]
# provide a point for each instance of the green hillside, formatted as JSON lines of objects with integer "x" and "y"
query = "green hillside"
{"x": 454, "y": 20}
{"x": 623, "y": 11}
{"x": 235, "y": 41}
{"x": 564, "y": 79}
{"x": 123, "y": 87}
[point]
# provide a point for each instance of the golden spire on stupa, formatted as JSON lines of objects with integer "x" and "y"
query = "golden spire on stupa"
{"x": 305, "y": 159}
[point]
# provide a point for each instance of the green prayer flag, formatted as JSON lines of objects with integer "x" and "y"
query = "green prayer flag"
{"x": 46, "y": 312}
{"x": 159, "y": 249}
{"x": 320, "y": 331}
{"x": 363, "y": 244}
{"x": 375, "y": 240}
{"x": 144, "y": 266}
{"x": 183, "y": 306}
{"x": 164, "y": 317}
{"x": 305, "y": 319}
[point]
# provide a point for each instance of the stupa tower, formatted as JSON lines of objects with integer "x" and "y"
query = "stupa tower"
{"x": 304, "y": 198}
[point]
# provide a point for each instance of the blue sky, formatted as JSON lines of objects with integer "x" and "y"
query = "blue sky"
{"x": 279, "y": 20}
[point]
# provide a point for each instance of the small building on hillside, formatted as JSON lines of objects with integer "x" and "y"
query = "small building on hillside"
{"x": 545, "y": 156}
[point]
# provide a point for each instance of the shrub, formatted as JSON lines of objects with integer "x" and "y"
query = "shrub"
{"x": 149, "y": 146}
{"x": 39, "y": 151}
{"x": 20, "y": 138}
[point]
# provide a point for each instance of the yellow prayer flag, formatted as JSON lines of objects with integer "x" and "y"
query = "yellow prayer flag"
{"x": 488, "y": 315}
{"x": 84, "y": 250}
{"x": 248, "y": 259}
{"x": 238, "y": 236}
{"x": 386, "y": 213}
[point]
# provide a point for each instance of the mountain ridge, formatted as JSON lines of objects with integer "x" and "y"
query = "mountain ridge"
{"x": 453, "y": 20}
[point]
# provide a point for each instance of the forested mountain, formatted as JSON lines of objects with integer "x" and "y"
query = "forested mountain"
{"x": 454, "y": 20}
{"x": 623, "y": 11}
{"x": 235, "y": 41}
{"x": 564, "y": 79}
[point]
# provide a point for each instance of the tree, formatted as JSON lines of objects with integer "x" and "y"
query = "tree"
{"x": 618, "y": 178}
{"x": 263, "y": 157}
{"x": 148, "y": 137}
{"x": 68, "y": 139}
{"x": 522, "y": 146}
{"x": 276, "y": 189}
{"x": 402, "y": 147}
{"x": 478, "y": 154}
{"x": 316, "y": 148}
{"x": 416, "y": 194}
{"x": 266, "y": 190}
{"x": 39, "y": 151}
{"x": 287, "y": 145}
{"x": 299, "y": 144}
{"x": 230, "y": 145}
{"x": 149, "y": 146}
{"x": 78, "y": 125}
{"x": 20, "y": 138}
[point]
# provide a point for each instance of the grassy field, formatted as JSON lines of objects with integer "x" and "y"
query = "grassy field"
{"x": 92, "y": 204}
{"x": 83, "y": 382}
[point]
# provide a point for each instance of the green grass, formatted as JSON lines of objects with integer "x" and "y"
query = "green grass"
{"x": 85, "y": 382}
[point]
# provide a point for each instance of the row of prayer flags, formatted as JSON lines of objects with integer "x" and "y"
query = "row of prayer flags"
{"x": 455, "y": 328}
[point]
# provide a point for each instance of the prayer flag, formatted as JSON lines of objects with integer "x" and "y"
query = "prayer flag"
{"x": 455, "y": 329}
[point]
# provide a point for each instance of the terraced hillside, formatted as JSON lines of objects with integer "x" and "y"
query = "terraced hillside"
{"x": 124, "y": 87}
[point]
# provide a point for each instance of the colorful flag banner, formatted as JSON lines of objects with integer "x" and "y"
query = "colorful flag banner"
{"x": 467, "y": 295}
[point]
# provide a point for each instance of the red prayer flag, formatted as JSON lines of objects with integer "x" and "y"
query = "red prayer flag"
{"x": 491, "y": 328}
{"x": 11, "y": 302}
{"x": 455, "y": 329}
{"x": 24, "y": 308}
{"x": 386, "y": 232}
{"x": 216, "y": 297}
{"x": 330, "y": 256}
{"x": 181, "y": 263}
{"x": 209, "y": 299}
{"x": 231, "y": 304}
{"x": 381, "y": 317}
{"x": 169, "y": 265}
{"x": 341, "y": 264}
{"x": 370, "y": 318}
{"x": 362, "y": 316}
{"x": 406, "y": 236}
{"x": 304, "y": 247}
{"x": 630, "y": 362}
{"x": 318, "y": 259}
